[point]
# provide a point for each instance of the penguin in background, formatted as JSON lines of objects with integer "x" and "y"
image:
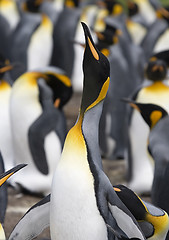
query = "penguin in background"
{"x": 158, "y": 121}
{"x": 38, "y": 126}
{"x": 5, "y": 124}
{"x": 139, "y": 167}
{"x": 153, "y": 221}
{"x": 126, "y": 73}
{"x": 31, "y": 47}
{"x": 156, "y": 39}
{"x": 80, "y": 163}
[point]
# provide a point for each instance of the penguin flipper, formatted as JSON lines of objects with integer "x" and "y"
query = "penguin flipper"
{"x": 33, "y": 222}
{"x": 124, "y": 219}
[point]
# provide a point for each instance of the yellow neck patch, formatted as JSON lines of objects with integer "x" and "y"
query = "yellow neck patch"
{"x": 102, "y": 94}
{"x": 4, "y": 85}
{"x": 155, "y": 116}
{"x": 106, "y": 52}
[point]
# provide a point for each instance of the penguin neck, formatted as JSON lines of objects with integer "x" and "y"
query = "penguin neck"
{"x": 90, "y": 126}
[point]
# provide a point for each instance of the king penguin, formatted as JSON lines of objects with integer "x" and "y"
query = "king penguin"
{"x": 157, "y": 119}
{"x": 83, "y": 202}
{"x": 31, "y": 47}
{"x": 38, "y": 125}
{"x": 140, "y": 169}
{"x": 153, "y": 221}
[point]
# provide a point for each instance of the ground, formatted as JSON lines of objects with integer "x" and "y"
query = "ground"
{"x": 19, "y": 203}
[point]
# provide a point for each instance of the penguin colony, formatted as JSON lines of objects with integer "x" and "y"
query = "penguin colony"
{"x": 115, "y": 54}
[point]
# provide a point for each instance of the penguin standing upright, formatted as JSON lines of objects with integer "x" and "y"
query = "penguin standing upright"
{"x": 126, "y": 72}
{"x": 158, "y": 121}
{"x": 31, "y": 47}
{"x": 140, "y": 169}
{"x": 5, "y": 124}
{"x": 83, "y": 202}
{"x": 38, "y": 127}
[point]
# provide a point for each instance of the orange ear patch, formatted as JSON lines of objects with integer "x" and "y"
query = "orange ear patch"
{"x": 155, "y": 117}
{"x": 93, "y": 50}
{"x": 116, "y": 189}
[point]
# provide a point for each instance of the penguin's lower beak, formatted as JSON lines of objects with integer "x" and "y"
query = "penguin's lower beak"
{"x": 6, "y": 175}
{"x": 6, "y": 68}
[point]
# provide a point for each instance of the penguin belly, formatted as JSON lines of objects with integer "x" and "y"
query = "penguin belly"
{"x": 162, "y": 43}
{"x": 41, "y": 46}
{"x": 5, "y": 126}
{"x": 24, "y": 112}
{"x": 74, "y": 214}
{"x": 142, "y": 173}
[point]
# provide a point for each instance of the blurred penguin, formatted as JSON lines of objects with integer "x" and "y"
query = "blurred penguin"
{"x": 140, "y": 169}
{"x": 38, "y": 125}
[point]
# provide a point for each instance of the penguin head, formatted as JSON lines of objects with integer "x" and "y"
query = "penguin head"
{"x": 4, "y": 66}
{"x": 133, "y": 8}
{"x": 9, "y": 173}
{"x": 114, "y": 7}
{"x": 96, "y": 70}
{"x": 131, "y": 200}
{"x": 32, "y": 5}
{"x": 61, "y": 87}
{"x": 163, "y": 55}
{"x": 156, "y": 69}
{"x": 163, "y": 13}
{"x": 107, "y": 37}
{"x": 151, "y": 113}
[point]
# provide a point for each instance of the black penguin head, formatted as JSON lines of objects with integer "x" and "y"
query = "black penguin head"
{"x": 32, "y": 5}
{"x": 156, "y": 69}
{"x": 4, "y": 65}
{"x": 108, "y": 37}
{"x": 163, "y": 13}
{"x": 6, "y": 175}
{"x": 133, "y": 8}
{"x": 61, "y": 87}
{"x": 96, "y": 70}
{"x": 151, "y": 113}
{"x": 163, "y": 55}
{"x": 114, "y": 7}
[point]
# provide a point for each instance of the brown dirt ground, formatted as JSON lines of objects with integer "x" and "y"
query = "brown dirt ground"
{"x": 19, "y": 203}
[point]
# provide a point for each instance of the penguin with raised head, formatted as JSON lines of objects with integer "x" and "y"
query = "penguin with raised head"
{"x": 79, "y": 175}
{"x": 139, "y": 168}
{"x": 153, "y": 221}
{"x": 38, "y": 125}
{"x": 81, "y": 161}
{"x": 31, "y": 47}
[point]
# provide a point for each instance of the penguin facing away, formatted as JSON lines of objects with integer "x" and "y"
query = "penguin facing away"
{"x": 80, "y": 162}
{"x": 34, "y": 121}
{"x": 140, "y": 168}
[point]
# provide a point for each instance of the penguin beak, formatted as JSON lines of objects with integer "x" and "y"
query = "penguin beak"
{"x": 6, "y": 68}
{"x": 131, "y": 103}
{"x": 89, "y": 42}
{"x": 6, "y": 175}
